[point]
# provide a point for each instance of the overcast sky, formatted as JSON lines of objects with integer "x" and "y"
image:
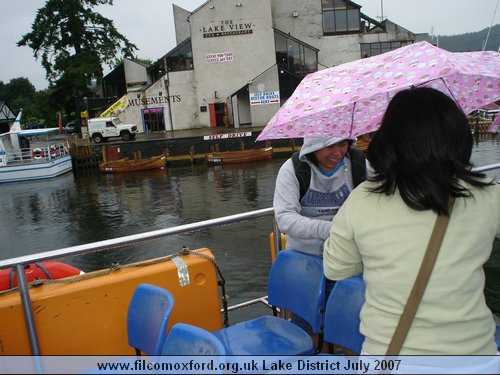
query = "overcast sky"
{"x": 149, "y": 25}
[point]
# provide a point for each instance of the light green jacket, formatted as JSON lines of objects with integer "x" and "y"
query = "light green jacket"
{"x": 385, "y": 239}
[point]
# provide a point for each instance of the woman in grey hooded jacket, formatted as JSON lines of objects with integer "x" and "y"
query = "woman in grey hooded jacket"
{"x": 310, "y": 188}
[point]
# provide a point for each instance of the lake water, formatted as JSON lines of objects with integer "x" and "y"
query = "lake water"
{"x": 76, "y": 209}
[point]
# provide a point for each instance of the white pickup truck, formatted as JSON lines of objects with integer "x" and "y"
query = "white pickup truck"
{"x": 102, "y": 128}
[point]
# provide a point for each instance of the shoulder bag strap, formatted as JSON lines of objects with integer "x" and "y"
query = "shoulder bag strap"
{"x": 421, "y": 282}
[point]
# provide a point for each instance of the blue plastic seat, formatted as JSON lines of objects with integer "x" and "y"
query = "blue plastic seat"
{"x": 147, "y": 318}
{"x": 186, "y": 339}
{"x": 342, "y": 314}
{"x": 497, "y": 336}
{"x": 296, "y": 284}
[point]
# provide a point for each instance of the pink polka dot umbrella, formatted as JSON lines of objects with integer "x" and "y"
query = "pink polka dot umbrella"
{"x": 350, "y": 99}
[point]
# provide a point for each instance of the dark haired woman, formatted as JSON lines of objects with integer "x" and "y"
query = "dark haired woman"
{"x": 421, "y": 157}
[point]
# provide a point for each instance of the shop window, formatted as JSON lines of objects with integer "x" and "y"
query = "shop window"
{"x": 294, "y": 56}
{"x": 181, "y": 58}
{"x": 281, "y": 50}
{"x": 178, "y": 59}
{"x": 340, "y": 17}
{"x": 310, "y": 60}
{"x": 294, "y": 60}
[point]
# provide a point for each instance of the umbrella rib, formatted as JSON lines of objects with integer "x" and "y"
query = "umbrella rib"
{"x": 352, "y": 119}
{"x": 451, "y": 93}
{"x": 447, "y": 88}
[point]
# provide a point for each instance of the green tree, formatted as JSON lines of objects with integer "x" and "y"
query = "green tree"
{"x": 73, "y": 43}
{"x": 19, "y": 93}
{"x": 16, "y": 88}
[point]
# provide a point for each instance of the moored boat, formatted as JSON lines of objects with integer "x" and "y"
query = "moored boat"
{"x": 125, "y": 165}
{"x": 32, "y": 154}
{"x": 229, "y": 157}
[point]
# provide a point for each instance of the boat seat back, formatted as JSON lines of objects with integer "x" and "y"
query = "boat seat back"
{"x": 342, "y": 314}
{"x": 296, "y": 284}
{"x": 186, "y": 339}
{"x": 147, "y": 318}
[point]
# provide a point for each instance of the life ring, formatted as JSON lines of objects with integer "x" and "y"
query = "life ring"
{"x": 66, "y": 146}
{"x": 48, "y": 269}
{"x": 54, "y": 151}
{"x": 37, "y": 153}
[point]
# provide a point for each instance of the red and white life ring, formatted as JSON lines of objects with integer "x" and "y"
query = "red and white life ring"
{"x": 37, "y": 153}
{"x": 54, "y": 151}
{"x": 48, "y": 269}
{"x": 66, "y": 146}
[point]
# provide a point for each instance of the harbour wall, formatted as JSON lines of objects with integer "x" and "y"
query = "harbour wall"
{"x": 178, "y": 151}
{"x": 191, "y": 148}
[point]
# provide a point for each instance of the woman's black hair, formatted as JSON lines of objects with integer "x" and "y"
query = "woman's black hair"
{"x": 423, "y": 149}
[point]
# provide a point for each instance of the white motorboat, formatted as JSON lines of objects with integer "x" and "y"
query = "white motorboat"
{"x": 32, "y": 154}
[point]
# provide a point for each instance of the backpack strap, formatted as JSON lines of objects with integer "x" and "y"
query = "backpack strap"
{"x": 302, "y": 172}
{"x": 358, "y": 165}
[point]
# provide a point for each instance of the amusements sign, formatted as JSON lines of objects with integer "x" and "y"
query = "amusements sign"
{"x": 221, "y": 57}
{"x": 266, "y": 97}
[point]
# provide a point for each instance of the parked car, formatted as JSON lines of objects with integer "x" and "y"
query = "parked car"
{"x": 72, "y": 128}
{"x": 33, "y": 125}
{"x": 102, "y": 128}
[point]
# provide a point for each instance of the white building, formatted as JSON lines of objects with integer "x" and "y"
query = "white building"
{"x": 237, "y": 61}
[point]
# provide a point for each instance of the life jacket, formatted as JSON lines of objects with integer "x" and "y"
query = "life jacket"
{"x": 303, "y": 170}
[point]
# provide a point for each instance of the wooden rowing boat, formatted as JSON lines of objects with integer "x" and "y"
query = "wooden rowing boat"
{"x": 362, "y": 143}
{"x": 229, "y": 157}
{"x": 124, "y": 165}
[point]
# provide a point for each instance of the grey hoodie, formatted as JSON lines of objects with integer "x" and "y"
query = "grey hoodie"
{"x": 307, "y": 223}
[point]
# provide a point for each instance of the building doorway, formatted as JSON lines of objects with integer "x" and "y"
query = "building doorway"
{"x": 218, "y": 114}
{"x": 153, "y": 119}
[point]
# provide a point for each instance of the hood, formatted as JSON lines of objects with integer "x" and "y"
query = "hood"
{"x": 314, "y": 144}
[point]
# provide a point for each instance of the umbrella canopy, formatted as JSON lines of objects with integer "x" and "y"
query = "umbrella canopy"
{"x": 350, "y": 99}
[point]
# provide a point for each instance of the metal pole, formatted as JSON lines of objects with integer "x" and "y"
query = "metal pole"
{"x": 28, "y": 313}
{"x": 491, "y": 24}
{"x": 167, "y": 88}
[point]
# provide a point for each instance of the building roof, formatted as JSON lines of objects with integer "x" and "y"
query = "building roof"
{"x": 6, "y": 114}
